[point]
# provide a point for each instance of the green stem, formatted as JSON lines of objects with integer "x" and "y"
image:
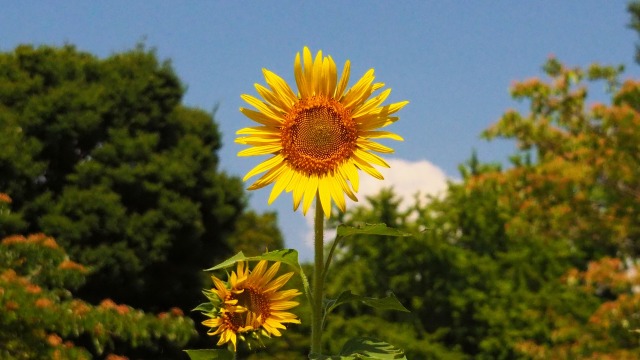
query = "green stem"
{"x": 318, "y": 281}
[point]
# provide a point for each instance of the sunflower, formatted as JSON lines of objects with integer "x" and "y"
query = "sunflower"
{"x": 320, "y": 136}
{"x": 251, "y": 303}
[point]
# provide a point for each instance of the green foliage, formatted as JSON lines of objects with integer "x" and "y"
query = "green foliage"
{"x": 41, "y": 319}
{"x": 365, "y": 348}
{"x": 100, "y": 154}
{"x": 486, "y": 274}
{"x": 256, "y": 233}
{"x": 213, "y": 354}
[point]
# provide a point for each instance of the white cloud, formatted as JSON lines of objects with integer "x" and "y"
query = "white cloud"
{"x": 405, "y": 177}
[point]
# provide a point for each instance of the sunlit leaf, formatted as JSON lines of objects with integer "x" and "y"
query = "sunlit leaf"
{"x": 213, "y": 354}
{"x": 369, "y": 348}
{"x": 204, "y": 307}
{"x": 287, "y": 256}
{"x": 363, "y": 349}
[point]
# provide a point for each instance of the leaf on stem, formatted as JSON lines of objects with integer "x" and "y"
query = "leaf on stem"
{"x": 210, "y": 354}
{"x": 387, "y": 303}
{"x": 364, "y": 348}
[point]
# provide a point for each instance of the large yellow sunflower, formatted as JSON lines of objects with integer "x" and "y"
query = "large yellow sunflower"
{"x": 320, "y": 136}
{"x": 251, "y": 302}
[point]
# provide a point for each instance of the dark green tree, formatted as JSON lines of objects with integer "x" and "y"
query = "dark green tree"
{"x": 102, "y": 155}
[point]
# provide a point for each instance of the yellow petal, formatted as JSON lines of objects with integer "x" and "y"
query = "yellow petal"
{"x": 344, "y": 185}
{"x": 295, "y": 179}
{"x": 259, "y": 130}
{"x": 262, "y": 118}
{"x": 281, "y": 183}
{"x": 352, "y": 174}
{"x": 264, "y": 166}
{"x": 310, "y": 191}
{"x": 373, "y": 146}
{"x": 262, "y": 107}
{"x": 258, "y": 140}
{"x": 336, "y": 192}
{"x": 344, "y": 80}
{"x": 369, "y": 158}
{"x": 280, "y": 87}
{"x": 332, "y": 77}
{"x": 301, "y": 80}
{"x": 380, "y": 135}
{"x": 271, "y": 272}
{"x": 369, "y": 170}
{"x": 377, "y": 86}
{"x": 260, "y": 150}
{"x": 372, "y": 103}
{"x": 308, "y": 70}
{"x": 269, "y": 177}
{"x": 360, "y": 91}
{"x": 317, "y": 74}
{"x": 324, "y": 193}
{"x": 272, "y": 98}
{"x": 298, "y": 190}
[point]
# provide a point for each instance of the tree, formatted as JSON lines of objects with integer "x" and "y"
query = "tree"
{"x": 40, "y": 318}
{"x": 485, "y": 274}
{"x": 256, "y": 233}
{"x": 100, "y": 154}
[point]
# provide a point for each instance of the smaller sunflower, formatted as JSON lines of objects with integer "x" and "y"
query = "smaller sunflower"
{"x": 250, "y": 303}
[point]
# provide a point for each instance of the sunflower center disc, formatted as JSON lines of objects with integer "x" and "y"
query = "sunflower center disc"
{"x": 318, "y": 134}
{"x": 257, "y": 306}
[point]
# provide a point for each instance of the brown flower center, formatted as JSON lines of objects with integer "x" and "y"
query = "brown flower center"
{"x": 257, "y": 306}
{"x": 318, "y": 134}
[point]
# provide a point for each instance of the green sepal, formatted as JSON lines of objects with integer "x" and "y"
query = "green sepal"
{"x": 206, "y": 307}
{"x": 389, "y": 302}
{"x": 210, "y": 354}
{"x": 369, "y": 229}
{"x": 364, "y": 348}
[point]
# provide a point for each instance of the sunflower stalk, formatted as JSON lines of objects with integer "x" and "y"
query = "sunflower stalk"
{"x": 318, "y": 280}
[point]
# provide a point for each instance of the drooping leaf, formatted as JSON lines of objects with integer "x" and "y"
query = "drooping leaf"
{"x": 387, "y": 303}
{"x": 212, "y": 354}
{"x": 369, "y": 348}
{"x": 287, "y": 256}
{"x": 229, "y": 262}
{"x": 364, "y": 348}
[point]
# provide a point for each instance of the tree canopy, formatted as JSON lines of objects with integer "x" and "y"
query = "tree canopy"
{"x": 102, "y": 155}
{"x": 535, "y": 260}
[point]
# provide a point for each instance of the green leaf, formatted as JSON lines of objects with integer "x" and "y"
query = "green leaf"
{"x": 204, "y": 307}
{"x": 364, "y": 349}
{"x": 213, "y": 354}
{"x": 369, "y": 229}
{"x": 387, "y": 303}
{"x": 369, "y": 348}
{"x": 229, "y": 262}
{"x": 287, "y": 256}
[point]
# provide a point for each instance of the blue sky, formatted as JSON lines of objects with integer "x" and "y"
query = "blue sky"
{"x": 453, "y": 60}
